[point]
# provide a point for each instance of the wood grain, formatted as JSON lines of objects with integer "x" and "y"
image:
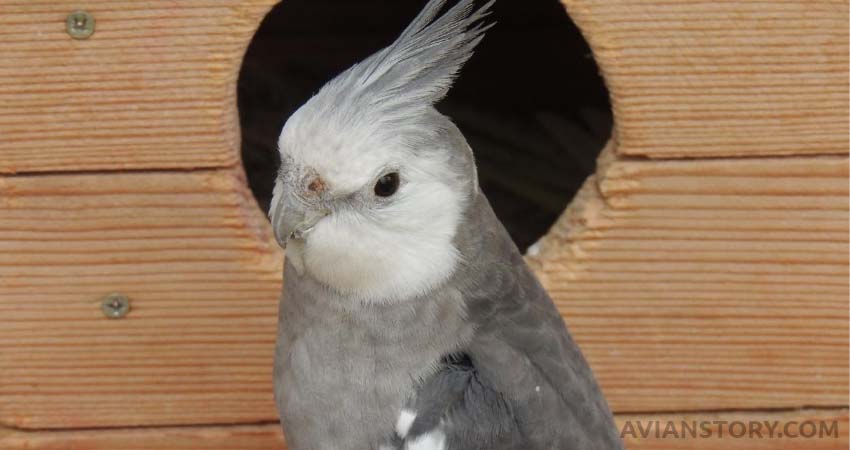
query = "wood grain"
{"x": 728, "y": 78}
{"x": 269, "y": 437}
{"x": 154, "y": 87}
{"x": 192, "y": 252}
{"x": 691, "y": 285}
{"x": 696, "y": 285}
{"x": 242, "y": 437}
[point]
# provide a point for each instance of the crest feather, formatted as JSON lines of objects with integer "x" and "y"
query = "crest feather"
{"x": 418, "y": 69}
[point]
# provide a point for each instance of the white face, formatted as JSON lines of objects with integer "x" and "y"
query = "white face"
{"x": 378, "y": 243}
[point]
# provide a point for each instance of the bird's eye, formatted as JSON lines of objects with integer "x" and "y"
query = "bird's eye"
{"x": 387, "y": 185}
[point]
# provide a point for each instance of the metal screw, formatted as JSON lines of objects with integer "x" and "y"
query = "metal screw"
{"x": 79, "y": 25}
{"x": 115, "y": 306}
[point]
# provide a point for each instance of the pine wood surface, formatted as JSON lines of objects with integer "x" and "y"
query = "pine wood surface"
{"x": 241, "y": 437}
{"x": 194, "y": 255}
{"x": 683, "y": 297}
{"x": 722, "y": 78}
{"x": 692, "y": 285}
{"x": 154, "y": 87}
{"x": 695, "y": 285}
{"x": 269, "y": 437}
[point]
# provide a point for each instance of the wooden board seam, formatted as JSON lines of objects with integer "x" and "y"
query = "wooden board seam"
{"x": 6, "y": 428}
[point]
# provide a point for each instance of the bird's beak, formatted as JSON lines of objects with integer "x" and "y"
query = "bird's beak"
{"x": 292, "y": 219}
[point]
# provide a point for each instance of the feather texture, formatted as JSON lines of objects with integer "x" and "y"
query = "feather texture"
{"x": 413, "y": 322}
{"x": 416, "y": 70}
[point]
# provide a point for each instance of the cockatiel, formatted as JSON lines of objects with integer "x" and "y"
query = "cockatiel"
{"x": 409, "y": 319}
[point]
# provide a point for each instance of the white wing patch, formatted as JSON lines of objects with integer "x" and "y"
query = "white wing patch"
{"x": 405, "y": 420}
{"x": 435, "y": 440}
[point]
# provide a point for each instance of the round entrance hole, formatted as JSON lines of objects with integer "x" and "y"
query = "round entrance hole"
{"x": 530, "y": 102}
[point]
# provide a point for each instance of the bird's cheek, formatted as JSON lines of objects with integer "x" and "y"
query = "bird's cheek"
{"x": 340, "y": 253}
{"x": 325, "y": 233}
{"x": 327, "y": 243}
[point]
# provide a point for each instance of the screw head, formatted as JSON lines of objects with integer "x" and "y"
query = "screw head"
{"x": 79, "y": 25}
{"x": 115, "y": 306}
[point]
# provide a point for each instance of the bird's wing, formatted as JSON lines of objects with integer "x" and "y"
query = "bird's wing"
{"x": 453, "y": 410}
{"x": 522, "y": 349}
{"x": 515, "y": 387}
{"x": 521, "y": 382}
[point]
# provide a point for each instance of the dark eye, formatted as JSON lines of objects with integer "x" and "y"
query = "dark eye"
{"x": 387, "y": 185}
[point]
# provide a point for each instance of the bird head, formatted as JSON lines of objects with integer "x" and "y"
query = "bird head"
{"x": 374, "y": 181}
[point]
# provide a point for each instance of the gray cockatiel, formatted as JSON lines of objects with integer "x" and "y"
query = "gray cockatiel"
{"x": 409, "y": 319}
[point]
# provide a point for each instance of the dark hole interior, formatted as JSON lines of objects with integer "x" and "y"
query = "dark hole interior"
{"x": 530, "y": 102}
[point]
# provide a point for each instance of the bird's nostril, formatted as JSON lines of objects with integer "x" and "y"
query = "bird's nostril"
{"x": 317, "y": 185}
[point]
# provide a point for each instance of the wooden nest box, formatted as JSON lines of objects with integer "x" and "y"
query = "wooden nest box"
{"x": 703, "y": 268}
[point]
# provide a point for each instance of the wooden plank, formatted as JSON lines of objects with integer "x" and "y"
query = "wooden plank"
{"x": 694, "y": 305}
{"x": 738, "y": 78}
{"x": 243, "y": 437}
{"x": 639, "y": 433}
{"x": 678, "y": 305}
{"x": 154, "y": 87}
{"x": 193, "y": 253}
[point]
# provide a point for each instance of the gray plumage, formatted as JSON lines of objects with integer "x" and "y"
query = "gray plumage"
{"x": 478, "y": 358}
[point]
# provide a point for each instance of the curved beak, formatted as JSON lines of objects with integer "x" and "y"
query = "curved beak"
{"x": 292, "y": 219}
